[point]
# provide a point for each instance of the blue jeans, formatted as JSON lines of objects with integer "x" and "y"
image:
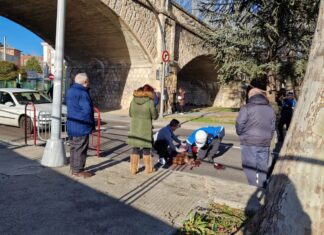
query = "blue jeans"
{"x": 255, "y": 164}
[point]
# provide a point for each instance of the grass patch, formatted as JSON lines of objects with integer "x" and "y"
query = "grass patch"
{"x": 217, "y": 219}
{"x": 211, "y": 120}
{"x": 215, "y": 120}
{"x": 216, "y": 109}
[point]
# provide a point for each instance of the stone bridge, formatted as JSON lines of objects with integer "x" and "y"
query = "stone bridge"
{"x": 119, "y": 44}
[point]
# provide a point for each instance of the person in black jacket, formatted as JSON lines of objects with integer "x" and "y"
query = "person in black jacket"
{"x": 255, "y": 125}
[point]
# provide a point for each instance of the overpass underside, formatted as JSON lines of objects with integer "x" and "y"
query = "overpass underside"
{"x": 117, "y": 43}
{"x": 96, "y": 41}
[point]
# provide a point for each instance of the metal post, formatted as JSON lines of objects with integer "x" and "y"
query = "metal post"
{"x": 4, "y": 48}
{"x": 54, "y": 153}
{"x": 162, "y": 91}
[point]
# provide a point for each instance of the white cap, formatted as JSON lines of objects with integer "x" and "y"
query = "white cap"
{"x": 201, "y": 138}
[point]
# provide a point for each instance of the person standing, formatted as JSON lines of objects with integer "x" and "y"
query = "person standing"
{"x": 50, "y": 92}
{"x": 80, "y": 123}
{"x": 165, "y": 100}
{"x": 181, "y": 100}
{"x": 288, "y": 105}
{"x": 255, "y": 126}
{"x": 142, "y": 111}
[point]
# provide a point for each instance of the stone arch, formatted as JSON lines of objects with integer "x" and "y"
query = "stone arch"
{"x": 199, "y": 78}
{"x": 118, "y": 34}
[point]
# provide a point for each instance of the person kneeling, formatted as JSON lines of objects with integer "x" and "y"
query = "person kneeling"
{"x": 164, "y": 142}
{"x": 204, "y": 142}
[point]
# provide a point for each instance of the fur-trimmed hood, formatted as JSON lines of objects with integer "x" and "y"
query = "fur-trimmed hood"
{"x": 141, "y": 97}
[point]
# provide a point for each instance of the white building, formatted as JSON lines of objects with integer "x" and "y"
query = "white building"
{"x": 48, "y": 57}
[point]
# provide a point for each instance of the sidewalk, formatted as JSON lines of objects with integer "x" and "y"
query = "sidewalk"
{"x": 40, "y": 200}
{"x": 122, "y": 116}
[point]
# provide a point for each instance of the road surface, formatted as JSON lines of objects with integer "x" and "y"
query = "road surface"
{"x": 113, "y": 146}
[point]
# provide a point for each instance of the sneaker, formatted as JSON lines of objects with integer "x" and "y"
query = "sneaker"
{"x": 162, "y": 161}
{"x": 219, "y": 166}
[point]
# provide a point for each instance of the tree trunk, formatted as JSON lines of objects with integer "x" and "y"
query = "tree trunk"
{"x": 294, "y": 202}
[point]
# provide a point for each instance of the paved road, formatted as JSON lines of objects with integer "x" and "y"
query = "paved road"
{"x": 115, "y": 134}
{"x": 113, "y": 146}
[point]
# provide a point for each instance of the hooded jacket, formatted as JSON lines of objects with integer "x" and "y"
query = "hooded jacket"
{"x": 255, "y": 123}
{"x": 142, "y": 112}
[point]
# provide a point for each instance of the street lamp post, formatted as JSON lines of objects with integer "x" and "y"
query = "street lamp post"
{"x": 54, "y": 153}
{"x": 164, "y": 64}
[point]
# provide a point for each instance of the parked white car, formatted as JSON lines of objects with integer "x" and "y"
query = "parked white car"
{"x": 12, "y": 108}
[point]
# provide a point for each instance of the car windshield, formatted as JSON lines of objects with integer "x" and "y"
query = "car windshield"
{"x": 35, "y": 97}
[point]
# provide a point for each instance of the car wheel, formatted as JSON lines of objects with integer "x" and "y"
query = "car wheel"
{"x": 30, "y": 128}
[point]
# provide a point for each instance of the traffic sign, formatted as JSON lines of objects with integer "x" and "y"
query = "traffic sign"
{"x": 51, "y": 76}
{"x": 165, "y": 56}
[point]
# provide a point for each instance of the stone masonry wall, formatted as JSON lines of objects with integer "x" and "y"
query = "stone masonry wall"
{"x": 199, "y": 93}
{"x": 112, "y": 87}
{"x": 140, "y": 19}
{"x": 230, "y": 96}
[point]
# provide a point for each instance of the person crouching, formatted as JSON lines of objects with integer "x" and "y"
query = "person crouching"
{"x": 164, "y": 142}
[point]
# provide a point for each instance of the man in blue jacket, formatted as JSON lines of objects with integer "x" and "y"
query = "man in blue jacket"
{"x": 80, "y": 123}
{"x": 255, "y": 125}
{"x": 204, "y": 142}
{"x": 164, "y": 142}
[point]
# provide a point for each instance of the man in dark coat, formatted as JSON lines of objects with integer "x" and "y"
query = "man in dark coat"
{"x": 288, "y": 105}
{"x": 255, "y": 125}
{"x": 80, "y": 123}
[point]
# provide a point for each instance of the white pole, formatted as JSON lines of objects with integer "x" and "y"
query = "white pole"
{"x": 4, "y": 48}
{"x": 54, "y": 153}
{"x": 163, "y": 45}
{"x": 162, "y": 91}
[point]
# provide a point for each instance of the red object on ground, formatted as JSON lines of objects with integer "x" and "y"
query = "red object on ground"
{"x": 219, "y": 166}
{"x": 194, "y": 149}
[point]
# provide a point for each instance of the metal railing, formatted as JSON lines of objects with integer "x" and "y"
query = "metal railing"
{"x": 45, "y": 124}
{"x": 28, "y": 121}
{"x": 39, "y": 127}
{"x": 97, "y": 146}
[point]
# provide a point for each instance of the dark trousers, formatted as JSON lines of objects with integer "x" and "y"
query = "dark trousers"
{"x": 78, "y": 153}
{"x": 283, "y": 121}
{"x": 174, "y": 107}
{"x": 255, "y": 164}
{"x": 162, "y": 148}
{"x": 210, "y": 150}
{"x": 146, "y": 151}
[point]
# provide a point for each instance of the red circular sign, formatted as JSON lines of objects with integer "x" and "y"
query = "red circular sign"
{"x": 165, "y": 56}
{"x": 51, "y": 76}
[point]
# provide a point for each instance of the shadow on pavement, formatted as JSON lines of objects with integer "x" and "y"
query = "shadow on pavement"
{"x": 39, "y": 200}
{"x": 270, "y": 213}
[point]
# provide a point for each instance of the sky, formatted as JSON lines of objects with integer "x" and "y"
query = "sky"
{"x": 20, "y": 38}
